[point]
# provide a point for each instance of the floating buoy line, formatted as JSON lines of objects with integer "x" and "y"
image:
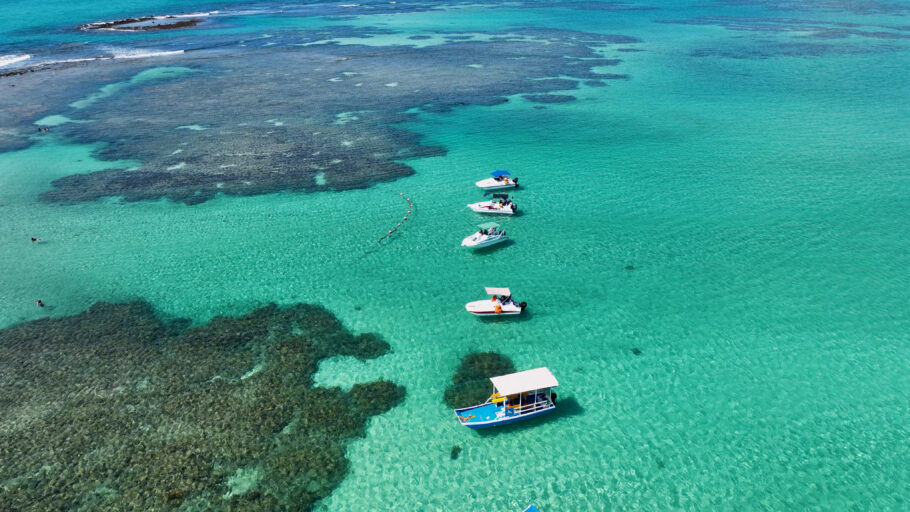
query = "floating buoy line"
{"x": 405, "y": 218}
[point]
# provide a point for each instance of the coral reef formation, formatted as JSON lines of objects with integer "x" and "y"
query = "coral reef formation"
{"x": 306, "y": 114}
{"x": 471, "y": 382}
{"x": 113, "y": 409}
{"x": 147, "y": 23}
{"x": 549, "y": 98}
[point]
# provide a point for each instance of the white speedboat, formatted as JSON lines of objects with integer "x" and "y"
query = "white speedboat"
{"x": 499, "y": 303}
{"x": 501, "y": 205}
{"x": 499, "y": 181}
{"x": 489, "y": 234}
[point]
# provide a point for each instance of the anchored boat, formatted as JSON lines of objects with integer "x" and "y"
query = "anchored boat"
{"x": 489, "y": 234}
{"x": 500, "y": 180}
{"x": 516, "y": 397}
{"x": 501, "y": 204}
{"x": 499, "y": 303}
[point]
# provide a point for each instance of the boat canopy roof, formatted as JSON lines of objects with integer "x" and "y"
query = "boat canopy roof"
{"x": 497, "y": 291}
{"x": 499, "y": 173}
{"x": 488, "y": 225}
{"x": 528, "y": 380}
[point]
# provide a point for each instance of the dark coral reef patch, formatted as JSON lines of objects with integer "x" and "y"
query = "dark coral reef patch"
{"x": 146, "y": 23}
{"x": 113, "y": 409}
{"x": 309, "y": 118}
{"x": 549, "y": 98}
{"x": 471, "y": 382}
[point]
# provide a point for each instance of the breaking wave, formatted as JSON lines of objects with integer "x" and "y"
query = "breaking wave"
{"x": 6, "y": 60}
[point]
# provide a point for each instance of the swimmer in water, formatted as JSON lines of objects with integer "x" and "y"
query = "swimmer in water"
{"x": 37, "y": 239}
{"x": 39, "y": 303}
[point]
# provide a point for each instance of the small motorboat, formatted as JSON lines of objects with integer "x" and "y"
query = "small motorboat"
{"x": 489, "y": 234}
{"x": 499, "y": 303}
{"x": 499, "y": 181}
{"x": 516, "y": 396}
{"x": 501, "y": 205}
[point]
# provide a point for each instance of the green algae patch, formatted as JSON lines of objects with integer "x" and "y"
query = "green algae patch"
{"x": 114, "y": 409}
{"x": 471, "y": 382}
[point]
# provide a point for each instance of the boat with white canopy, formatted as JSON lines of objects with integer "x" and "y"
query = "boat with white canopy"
{"x": 499, "y": 303}
{"x": 500, "y": 180}
{"x": 500, "y": 204}
{"x": 489, "y": 234}
{"x": 516, "y": 396}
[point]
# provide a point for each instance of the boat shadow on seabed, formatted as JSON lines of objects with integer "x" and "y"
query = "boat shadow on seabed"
{"x": 525, "y": 315}
{"x": 565, "y": 407}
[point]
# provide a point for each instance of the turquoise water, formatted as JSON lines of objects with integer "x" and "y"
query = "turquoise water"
{"x": 739, "y": 215}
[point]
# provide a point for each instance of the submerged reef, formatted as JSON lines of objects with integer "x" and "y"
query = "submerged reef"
{"x": 113, "y": 409}
{"x": 794, "y": 37}
{"x": 549, "y": 98}
{"x": 471, "y": 382}
{"x": 307, "y": 113}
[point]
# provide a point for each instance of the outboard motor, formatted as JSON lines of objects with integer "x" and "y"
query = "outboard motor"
{"x": 553, "y": 397}
{"x": 513, "y": 206}
{"x": 522, "y": 305}
{"x": 515, "y": 181}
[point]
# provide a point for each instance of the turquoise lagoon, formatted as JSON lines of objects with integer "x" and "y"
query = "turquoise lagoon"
{"x": 737, "y": 209}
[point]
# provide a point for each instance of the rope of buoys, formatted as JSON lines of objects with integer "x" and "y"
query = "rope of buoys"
{"x": 397, "y": 226}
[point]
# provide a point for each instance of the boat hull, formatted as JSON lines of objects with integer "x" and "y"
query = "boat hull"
{"x": 488, "y": 207}
{"x": 472, "y": 242}
{"x": 493, "y": 184}
{"x": 487, "y": 308}
{"x": 496, "y": 422}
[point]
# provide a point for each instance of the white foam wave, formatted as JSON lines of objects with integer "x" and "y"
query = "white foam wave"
{"x": 117, "y": 54}
{"x": 121, "y": 53}
{"x": 6, "y": 60}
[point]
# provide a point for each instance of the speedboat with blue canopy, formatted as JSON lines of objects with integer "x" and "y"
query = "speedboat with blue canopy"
{"x": 499, "y": 303}
{"x": 501, "y": 179}
{"x": 501, "y": 204}
{"x": 489, "y": 234}
{"x": 516, "y": 396}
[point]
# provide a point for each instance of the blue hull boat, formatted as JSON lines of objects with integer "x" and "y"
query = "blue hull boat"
{"x": 484, "y": 415}
{"x": 518, "y": 396}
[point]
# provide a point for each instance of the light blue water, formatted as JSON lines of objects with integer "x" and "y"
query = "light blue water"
{"x": 759, "y": 192}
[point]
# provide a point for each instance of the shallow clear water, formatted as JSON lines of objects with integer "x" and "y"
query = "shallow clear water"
{"x": 739, "y": 218}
